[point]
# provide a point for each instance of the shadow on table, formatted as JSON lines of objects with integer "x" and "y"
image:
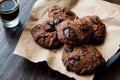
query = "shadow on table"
{"x": 111, "y": 73}
{"x": 114, "y": 1}
{"x": 14, "y": 30}
{"x": 46, "y": 73}
{"x": 18, "y": 68}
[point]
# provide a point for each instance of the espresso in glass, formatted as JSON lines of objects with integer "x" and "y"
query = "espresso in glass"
{"x": 9, "y": 10}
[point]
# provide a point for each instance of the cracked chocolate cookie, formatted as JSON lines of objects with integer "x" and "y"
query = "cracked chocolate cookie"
{"x": 74, "y": 32}
{"x": 99, "y": 28}
{"x": 84, "y": 59}
{"x": 58, "y": 14}
{"x": 45, "y": 35}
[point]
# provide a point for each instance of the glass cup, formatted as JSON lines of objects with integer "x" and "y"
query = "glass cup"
{"x": 9, "y": 10}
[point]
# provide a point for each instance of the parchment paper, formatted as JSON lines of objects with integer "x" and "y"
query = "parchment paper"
{"x": 108, "y": 12}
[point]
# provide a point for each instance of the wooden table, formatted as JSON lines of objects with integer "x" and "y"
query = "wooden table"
{"x": 13, "y": 67}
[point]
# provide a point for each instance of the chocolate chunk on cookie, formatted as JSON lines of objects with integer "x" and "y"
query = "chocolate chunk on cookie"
{"x": 99, "y": 28}
{"x": 74, "y": 32}
{"x": 69, "y": 49}
{"x": 84, "y": 59}
{"x": 70, "y": 33}
{"x": 49, "y": 28}
{"x": 45, "y": 35}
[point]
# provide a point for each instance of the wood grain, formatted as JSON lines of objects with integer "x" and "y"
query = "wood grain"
{"x": 13, "y": 67}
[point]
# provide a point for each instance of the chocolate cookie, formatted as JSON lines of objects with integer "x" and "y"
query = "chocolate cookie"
{"x": 58, "y": 14}
{"x": 99, "y": 28}
{"x": 84, "y": 59}
{"x": 74, "y": 32}
{"x": 46, "y": 36}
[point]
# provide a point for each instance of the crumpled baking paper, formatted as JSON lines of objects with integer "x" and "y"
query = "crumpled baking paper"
{"x": 108, "y": 12}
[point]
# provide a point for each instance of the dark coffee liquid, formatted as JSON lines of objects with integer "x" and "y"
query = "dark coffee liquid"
{"x": 9, "y": 10}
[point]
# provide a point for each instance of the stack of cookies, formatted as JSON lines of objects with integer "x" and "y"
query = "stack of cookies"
{"x": 79, "y": 36}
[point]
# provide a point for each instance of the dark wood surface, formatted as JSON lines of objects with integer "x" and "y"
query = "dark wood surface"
{"x": 13, "y": 67}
